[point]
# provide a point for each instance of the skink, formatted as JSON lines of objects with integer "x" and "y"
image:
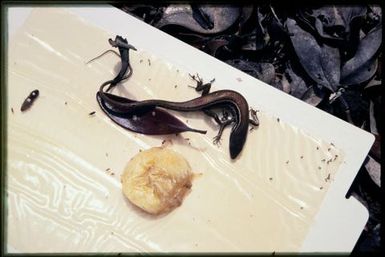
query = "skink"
{"x": 230, "y": 98}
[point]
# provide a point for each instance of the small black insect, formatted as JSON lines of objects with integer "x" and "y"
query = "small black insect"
{"x": 29, "y": 100}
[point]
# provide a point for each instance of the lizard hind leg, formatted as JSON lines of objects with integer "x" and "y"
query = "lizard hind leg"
{"x": 254, "y": 121}
{"x": 254, "y": 118}
{"x": 222, "y": 126}
{"x": 223, "y": 122}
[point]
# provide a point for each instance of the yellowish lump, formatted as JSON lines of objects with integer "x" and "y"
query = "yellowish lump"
{"x": 156, "y": 180}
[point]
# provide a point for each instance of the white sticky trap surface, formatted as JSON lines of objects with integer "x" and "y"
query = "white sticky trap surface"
{"x": 285, "y": 193}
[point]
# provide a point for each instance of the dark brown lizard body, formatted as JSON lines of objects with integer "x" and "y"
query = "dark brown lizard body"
{"x": 230, "y": 98}
{"x": 234, "y": 106}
